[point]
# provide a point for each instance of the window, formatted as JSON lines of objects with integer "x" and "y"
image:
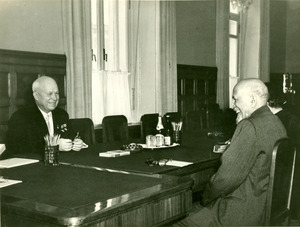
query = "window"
{"x": 109, "y": 34}
{"x": 110, "y": 59}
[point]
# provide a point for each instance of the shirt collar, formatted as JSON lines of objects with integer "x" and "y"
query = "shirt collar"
{"x": 45, "y": 115}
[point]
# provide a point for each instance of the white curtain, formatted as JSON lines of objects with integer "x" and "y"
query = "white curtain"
{"x": 157, "y": 66}
{"x": 254, "y": 55}
{"x": 242, "y": 45}
{"x": 222, "y": 55}
{"x": 111, "y": 94}
{"x": 77, "y": 46}
{"x": 168, "y": 57}
{"x": 134, "y": 55}
{"x": 264, "y": 55}
{"x": 250, "y": 53}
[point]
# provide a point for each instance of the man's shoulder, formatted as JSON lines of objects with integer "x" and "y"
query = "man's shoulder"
{"x": 25, "y": 112}
{"x": 60, "y": 112}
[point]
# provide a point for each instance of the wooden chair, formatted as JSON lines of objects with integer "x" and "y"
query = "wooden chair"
{"x": 213, "y": 115}
{"x": 194, "y": 120}
{"x": 85, "y": 127}
{"x": 281, "y": 182}
{"x": 148, "y": 124}
{"x": 115, "y": 128}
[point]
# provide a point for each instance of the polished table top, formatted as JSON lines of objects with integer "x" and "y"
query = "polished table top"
{"x": 69, "y": 195}
{"x": 196, "y": 148}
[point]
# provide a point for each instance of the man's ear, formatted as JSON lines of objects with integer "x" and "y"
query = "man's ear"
{"x": 252, "y": 100}
{"x": 35, "y": 95}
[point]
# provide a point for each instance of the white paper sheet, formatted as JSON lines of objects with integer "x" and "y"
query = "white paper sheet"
{"x": 163, "y": 146}
{"x": 13, "y": 162}
{"x": 114, "y": 153}
{"x": 178, "y": 163}
{"x": 2, "y": 148}
{"x": 8, "y": 182}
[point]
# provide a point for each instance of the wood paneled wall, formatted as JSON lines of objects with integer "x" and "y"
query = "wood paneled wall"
{"x": 197, "y": 89}
{"x": 18, "y": 69}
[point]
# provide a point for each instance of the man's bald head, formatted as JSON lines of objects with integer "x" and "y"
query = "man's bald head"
{"x": 249, "y": 95}
{"x": 256, "y": 87}
{"x": 41, "y": 82}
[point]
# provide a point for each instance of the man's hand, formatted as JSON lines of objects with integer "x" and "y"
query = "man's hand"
{"x": 65, "y": 144}
{"x": 77, "y": 144}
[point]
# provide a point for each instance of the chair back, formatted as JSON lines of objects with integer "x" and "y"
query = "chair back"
{"x": 213, "y": 115}
{"x": 174, "y": 116}
{"x": 148, "y": 124}
{"x": 115, "y": 128}
{"x": 85, "y": 127}
{"x": 194, "y": 120}
{"x": 281, "y": 182}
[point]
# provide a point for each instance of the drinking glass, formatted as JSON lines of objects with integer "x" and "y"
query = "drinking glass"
{"x": 177, "y": 136}
{"x": 51, "y": 155}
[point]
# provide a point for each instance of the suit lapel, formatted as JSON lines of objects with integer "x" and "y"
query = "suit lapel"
{"x": 40, "y": 121}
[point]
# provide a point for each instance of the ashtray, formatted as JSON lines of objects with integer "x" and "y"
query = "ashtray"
{"x": 133, "y": 147}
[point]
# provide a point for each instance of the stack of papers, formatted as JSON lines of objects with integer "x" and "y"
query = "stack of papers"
{"x": 114, "y": 153}
{"x": 13, "y": 162}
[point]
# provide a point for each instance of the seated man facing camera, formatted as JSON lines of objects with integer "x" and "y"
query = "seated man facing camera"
{"x": 236, "y": 194}
{"x": 28, "y": 126}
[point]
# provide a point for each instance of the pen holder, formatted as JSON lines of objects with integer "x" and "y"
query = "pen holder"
{"x": 51, "y": 156}
{"x": 176, "y": 136}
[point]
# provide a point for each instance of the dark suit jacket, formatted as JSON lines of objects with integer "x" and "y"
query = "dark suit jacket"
{"x": 27, "y": 128}
{"x": 239, "y": 187}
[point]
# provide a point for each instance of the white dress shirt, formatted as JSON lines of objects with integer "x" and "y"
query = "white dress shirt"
{"x": 49, "y": 121}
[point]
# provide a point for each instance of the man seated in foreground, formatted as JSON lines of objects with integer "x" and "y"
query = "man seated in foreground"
{"x": 236, "y": 193}
{"x": 28, "y": 126}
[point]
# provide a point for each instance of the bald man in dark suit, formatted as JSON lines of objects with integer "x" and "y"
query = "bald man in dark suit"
{"x": 28, "y": 126}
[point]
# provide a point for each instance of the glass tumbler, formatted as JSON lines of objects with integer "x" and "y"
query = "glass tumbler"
{"x": 51, "y": 156}
{"x": 176, "y": 136}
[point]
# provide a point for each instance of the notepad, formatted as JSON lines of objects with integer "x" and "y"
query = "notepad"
{"x": 114, "y": 153}
{"x": 178, "y": 163}
{"x": 13, "y": 162}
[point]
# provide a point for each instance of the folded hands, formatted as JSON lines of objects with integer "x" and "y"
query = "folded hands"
{"x": 68, "y": 144}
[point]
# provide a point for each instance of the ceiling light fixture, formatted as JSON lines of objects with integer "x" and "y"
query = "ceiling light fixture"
{"x": 241, "y": 4}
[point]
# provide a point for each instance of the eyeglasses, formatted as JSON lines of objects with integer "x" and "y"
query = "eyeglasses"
{"x": 152, "y": 162}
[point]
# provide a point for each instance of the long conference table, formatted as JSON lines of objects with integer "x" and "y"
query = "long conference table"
{"x": 88, "y": 190}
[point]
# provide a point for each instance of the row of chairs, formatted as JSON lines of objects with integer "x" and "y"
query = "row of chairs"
{"x": 115, "y": 127}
